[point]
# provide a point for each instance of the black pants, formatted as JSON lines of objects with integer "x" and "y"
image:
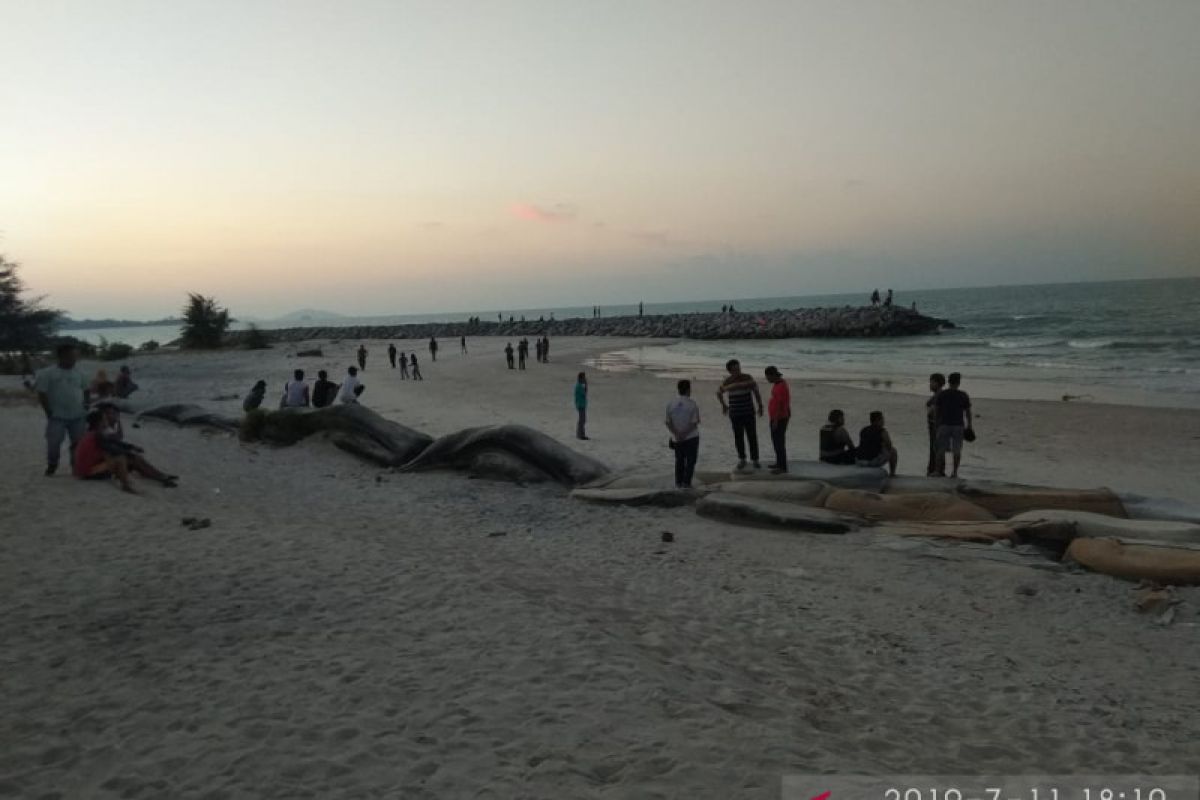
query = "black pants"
{"x": 686, "y": 453}
{"x": 929, "y": 470}
{"x": 779, "y": 441}
{"x": 745, "y": 428}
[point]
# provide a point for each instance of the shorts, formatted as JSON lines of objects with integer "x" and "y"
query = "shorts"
{"x": 950, "y": 437}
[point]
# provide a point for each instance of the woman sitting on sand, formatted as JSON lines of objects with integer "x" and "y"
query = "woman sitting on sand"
{"x": 102, "y": 454}
{"x": 101, "y": 387}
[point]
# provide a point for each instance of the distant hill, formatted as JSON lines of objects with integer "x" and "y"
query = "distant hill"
{"x": 309, "y": 314}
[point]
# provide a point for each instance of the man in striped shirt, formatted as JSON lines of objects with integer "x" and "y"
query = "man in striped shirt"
{"x": 739, "y": 401}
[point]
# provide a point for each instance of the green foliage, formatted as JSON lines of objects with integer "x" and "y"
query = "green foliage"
{"x": 85, "y": 348}
{"x": 255, "y": 339}
{"x": 113, "y": 351}
{"x": 204, "y": 323}
{"x": 25, "y": 326}
{"x": 149, "y": 347}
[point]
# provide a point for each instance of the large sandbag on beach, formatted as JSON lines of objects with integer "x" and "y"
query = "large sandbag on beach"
{"x": 458, "y": 451}
{"x": 188, "y": 414}
{"x": 983, "y": 532}
{"x": 352, "y": 427}
{"x": 1168, "y": 565}
{"x": 1100, "y": 525}
{"x": 651, "y": 480}
{"x": 1005, "y": 500}
{"x": 871, "y": 479}
{"x": 904, "y": 484}
{"x": 929, "y": 507}
{"x": 662, "y": 498}
{"x": 1141, "y": 507}
{"x": 805, "y": 493}
{"x": 773, "y": 514}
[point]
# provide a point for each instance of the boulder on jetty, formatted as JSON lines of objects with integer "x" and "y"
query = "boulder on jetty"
{"x": 1137, "y": 562}
{"x": 543, "y": 453}
{"x": 351, "y": 427}
{"x": 188, "y": 414}
{"x": 774, "y": 514}
{"x": 929, "y": 507}
{"x": 847, "y": 321}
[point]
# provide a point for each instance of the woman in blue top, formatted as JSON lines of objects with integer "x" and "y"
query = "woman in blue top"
{"x": 581, "y": 402}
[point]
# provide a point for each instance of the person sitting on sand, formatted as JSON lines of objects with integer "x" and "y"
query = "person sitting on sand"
{"x": 100, "y": 458}
{"x": 403, "y": 366}
{"x": 101, "y": 387}
{"x": 416, "y": 368}
{"x": 351, "y": 387}
{"x": 836, "y": 445}
{"x": 255, "y": 398}
{"x": 875, "y": 446}
{"x": 362, "y": 356}
{"x": 124, "y": 385}
{"x": 324, "y": 391}
{"x": 295, "y": 392}
{"x": 954, "y": 420}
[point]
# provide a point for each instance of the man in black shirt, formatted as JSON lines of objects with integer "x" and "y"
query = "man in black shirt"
{"x": 324, "y": 390}
{"x": 875, "y": 446}
{"x": 836, "y": 446}
{"x": 954, "y": 419}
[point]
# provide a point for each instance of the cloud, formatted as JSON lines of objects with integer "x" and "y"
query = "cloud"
{"x": 559, "y": 212}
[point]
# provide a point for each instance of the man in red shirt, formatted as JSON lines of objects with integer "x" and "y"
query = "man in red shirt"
{"x": 779, "y": 411}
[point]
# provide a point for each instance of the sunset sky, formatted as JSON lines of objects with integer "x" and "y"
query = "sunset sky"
{"x": 391, "y": 157}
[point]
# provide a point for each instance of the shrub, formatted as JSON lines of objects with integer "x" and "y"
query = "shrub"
{"x": 113, "y": 351}
{"x": 204, "y": 323}
{"x": 149, "y": 347}
{"x": 255, "y": 339}
{"x": 25, "y": 326}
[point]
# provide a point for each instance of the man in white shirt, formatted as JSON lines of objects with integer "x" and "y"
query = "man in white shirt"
{"x": 295, "y": 391}
{"x": 683, "y": 421}
{"x": 351, "y": 387}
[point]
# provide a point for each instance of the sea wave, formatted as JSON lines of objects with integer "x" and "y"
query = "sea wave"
{"x": 1021, "y": 344}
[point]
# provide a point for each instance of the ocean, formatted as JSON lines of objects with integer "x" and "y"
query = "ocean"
{"x": 1135, "y": 342}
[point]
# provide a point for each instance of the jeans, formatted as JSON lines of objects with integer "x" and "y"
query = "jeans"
{"x": 686, "y": 453}
{"x": 56, "y": 430}
{"x": 580, "y": 433}
{"x": 745, "y": 428}
{"x": 779, "y": 441}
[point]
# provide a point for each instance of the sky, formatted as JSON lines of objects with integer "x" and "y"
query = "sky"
{"x": 409, "y": 157}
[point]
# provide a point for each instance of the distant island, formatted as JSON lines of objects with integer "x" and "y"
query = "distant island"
{"x": 68, "y": 324}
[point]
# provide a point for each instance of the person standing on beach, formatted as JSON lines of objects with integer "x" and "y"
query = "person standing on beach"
{"x": 522, "y": 353}
{"x": 351, "y": 387}
{"x": 875, "y": 446}
{"x": 546, "y": 349}
{"x": 324, "y": 390}
{"x": 741, "y": 405}
{"x": 433, "y": 346}
{"x": 779, "y": 414}
{"x": 683, "y": 421}
{"x": 954, "y": 420}
{"x": 508, "y": 354}
{"x": 362, "y": 357}
{"x": 937, "y": 382}
{"x": 62, "y": 392}
{"x": 463, "y": 344}
{"x": 392, "y": 353}
{"x": 416, "y": 368}
{"x": 403, "y": 366}
{"x": 581, "y": 404}
{"x": 295, "y": 392}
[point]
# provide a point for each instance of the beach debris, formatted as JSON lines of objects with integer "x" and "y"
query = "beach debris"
{"x": 313, "y": 353}
{"x": 188, "y": 414}
{"x": 1101, "y": 525}
{"x": 1006, "y": 499}
{"x": 1154, "y": 600}
{"x": 1152, "y": 562}
{"x": 196, "y": 523}
{"x": 350, "y": 427}
{"x": 668, "y": 537}
{"x": 534, "y": 448}
{"x": 1028, "y": 590}
{"x": 928, "y": 507}
{"x": 494, "y": 534}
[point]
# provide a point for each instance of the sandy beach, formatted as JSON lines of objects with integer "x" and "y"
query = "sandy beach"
{"x": 346, "y": 631}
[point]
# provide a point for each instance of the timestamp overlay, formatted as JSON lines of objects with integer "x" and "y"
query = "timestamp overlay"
{"x": 990, "y": 787}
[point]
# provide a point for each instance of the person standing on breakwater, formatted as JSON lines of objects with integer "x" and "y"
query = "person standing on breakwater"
{"x": 954, "y": 420}
{"x": 433, "y": 346}
{"x": 683, "y": 421}
{"x": 362, "y": 357}
{"x": 403, "y": 366}
{"x": 875, "y": 297}
{"x": 62, "y": 392}
{"x": 324, "y": 391}
{"x": 295, "y": 392}
{"x": 508, "y": 354}
{"x": 887, "y": 302}
{"x": 742, "y": 404}
{"x": 779, "y": 414}
{"x": 392, "y": 354}
{"x": 641, "y": 309}
{"x": 581, "y": 404}
{"x": 416, "y": 368}
{"x": 937, "y": 382}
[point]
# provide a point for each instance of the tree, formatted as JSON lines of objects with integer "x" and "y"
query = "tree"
{"x": 204, "y": 322}
{"x": 25, "y": 326}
